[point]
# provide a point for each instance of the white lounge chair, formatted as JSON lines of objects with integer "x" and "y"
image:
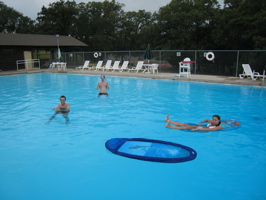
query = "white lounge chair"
{"x": 99, "y": 65}
{"x": 84, "y": 66}
{"x": 138, "y": 67}
{"x": 108, "y": 65}
{"x": 184, "y": 67}
{"x": 124, "y": 66}
{"x": 263, "y": 76}
{"x": 116, "y": 66}
{"x": 248, "y": 72}
{"x": 52, "y": 65}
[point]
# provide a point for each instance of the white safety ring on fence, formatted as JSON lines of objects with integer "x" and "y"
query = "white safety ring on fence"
{"x": 210, "y": 56}
{"x": 95, "y": 55}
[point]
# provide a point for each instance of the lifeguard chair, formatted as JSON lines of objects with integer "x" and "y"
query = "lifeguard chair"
{"x": 185, "y": 66}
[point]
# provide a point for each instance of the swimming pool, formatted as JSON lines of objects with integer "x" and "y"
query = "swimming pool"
{"x": 58, "y": 161}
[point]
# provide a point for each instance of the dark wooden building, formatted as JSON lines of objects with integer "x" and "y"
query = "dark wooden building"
{"x": 15, "y": 47}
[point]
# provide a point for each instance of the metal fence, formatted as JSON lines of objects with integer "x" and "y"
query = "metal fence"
{"x": 225, "y": 62}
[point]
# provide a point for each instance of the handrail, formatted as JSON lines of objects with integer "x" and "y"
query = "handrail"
{"x": 28, "y": 61}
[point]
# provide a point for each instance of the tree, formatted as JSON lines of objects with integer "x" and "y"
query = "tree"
{"x": 13, "y": 21}
{"x": 133, "y": 29}
{"x": 181, "y": 24}
{"x": 242, "y": 25}
{"x": 98, "y": 23}
{"x": 186, "y": 24}
{"x": 59, "y": 18}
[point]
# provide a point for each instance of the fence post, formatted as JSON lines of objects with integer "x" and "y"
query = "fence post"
{"x": 160, "y": 59}
{"x": 195, "y": 70}
{"x": 237, "y": 62}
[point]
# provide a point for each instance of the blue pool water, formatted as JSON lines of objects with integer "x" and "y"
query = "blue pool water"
{"x": 58, "y": 161}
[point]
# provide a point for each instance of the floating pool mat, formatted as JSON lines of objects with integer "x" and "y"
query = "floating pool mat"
{"x": 151, "y": 150}
{"x": 229, "y": 124}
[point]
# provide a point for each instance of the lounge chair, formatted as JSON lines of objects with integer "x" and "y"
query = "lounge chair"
{"x": 248, "y": 72}
{"x": 138, "y": 67}
{"x": 84, "y": 66}
{"x": 124, "y": 66}
{"x": 108, "y": 65}
{"x": 116, "y": 66}
{"x": 52, "y": 65}
{"x": 99, "y": 65}
{"x": 263, "y": 76}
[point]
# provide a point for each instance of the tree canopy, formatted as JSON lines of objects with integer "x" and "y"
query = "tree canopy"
{"x": 181, "y": 24}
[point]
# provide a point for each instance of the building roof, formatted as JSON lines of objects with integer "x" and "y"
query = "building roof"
{"x": 14, "y": 39}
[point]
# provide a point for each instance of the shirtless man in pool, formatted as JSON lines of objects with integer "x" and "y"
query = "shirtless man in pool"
{"x": 214, "y": 124}
{"x": 62, "y": 108}
{"x": 103, "y": 85}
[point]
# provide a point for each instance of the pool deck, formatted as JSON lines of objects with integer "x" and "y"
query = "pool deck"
{"x": 165, "y": 76}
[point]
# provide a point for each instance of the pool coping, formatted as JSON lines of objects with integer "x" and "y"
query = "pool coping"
{"x": 163, "y": 76}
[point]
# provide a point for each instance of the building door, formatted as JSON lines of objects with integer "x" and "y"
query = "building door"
{"x": 28, "y": 56}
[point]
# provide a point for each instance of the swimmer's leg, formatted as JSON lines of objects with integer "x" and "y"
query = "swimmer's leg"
{"x": 167, "y": 119}
{"x": 186, "y": 126}
{"x": 65, "y": 115}
{"x": 51, "y": 118}
{"x": 174, "y": 127}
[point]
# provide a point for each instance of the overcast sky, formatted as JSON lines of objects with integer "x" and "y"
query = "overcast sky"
{"x": 30, "y": 8}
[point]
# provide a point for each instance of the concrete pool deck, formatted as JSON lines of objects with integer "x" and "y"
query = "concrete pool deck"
{"x": 165, "y": 76}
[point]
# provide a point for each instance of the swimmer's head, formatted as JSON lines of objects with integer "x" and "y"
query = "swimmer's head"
{"x": 63, "y": 97}
{"x": 102, "y": 76}
{"x": 62, "y": 100}
{"x": 216, "y": 120}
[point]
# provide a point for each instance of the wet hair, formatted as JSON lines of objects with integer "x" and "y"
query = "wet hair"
{"x": 63, "y": 97}
{"x": 102, "y": 76}
{"x": 218, "y": 117}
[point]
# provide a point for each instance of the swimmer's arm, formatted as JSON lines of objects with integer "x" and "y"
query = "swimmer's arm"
{"x": 203, "y": 121}
{"x": 56, "y": 108}
{"x": 107, "y": 86}
{"x": 97, "y": 87}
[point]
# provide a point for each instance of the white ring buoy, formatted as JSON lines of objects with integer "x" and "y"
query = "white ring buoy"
{"x": 95, "y": 55}
{"x": 210, "y": 56}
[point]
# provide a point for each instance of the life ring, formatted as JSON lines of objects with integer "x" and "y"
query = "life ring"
{"x": 210, "y": 56}
{"x": 95, "y": 55}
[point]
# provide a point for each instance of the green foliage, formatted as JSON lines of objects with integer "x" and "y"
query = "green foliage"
{"x": 13, "y": 21}
{"x": 59, "y": 18}
{"x": 134, "y": 27}
{"x": 181, "y": 24}
{"x": 101, "y": 24}
{"x": 241, "y": 25}
{"x": 186, "y": 24}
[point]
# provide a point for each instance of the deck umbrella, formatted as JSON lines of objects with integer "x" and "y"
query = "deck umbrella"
{"x": 58, "y": 53}
{"x": 148, "y": 53}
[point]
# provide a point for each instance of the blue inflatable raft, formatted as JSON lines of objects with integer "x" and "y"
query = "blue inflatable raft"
{"x": 151, "y": 150}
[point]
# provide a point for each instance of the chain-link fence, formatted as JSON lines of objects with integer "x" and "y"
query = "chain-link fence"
{"x": 219, "y": 62}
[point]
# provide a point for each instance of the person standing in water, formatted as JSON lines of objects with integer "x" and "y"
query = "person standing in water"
{"x": 103, "y": 86}
{"x": 62, "y": 108}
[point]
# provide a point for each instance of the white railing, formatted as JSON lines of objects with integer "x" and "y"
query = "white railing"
{"x": 29, "y": 64}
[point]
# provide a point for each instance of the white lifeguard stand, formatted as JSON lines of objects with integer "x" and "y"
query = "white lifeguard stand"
{"x": 184, "y": 67}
